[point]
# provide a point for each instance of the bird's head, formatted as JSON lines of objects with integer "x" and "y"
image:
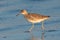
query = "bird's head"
{"x": 24, "y": 12}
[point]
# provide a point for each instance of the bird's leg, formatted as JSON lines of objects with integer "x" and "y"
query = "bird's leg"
{"x": 31, "y": 27}
{"x": 43, "y": 26}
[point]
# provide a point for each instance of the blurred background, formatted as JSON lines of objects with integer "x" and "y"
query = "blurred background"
{"x": 12, "y": 27}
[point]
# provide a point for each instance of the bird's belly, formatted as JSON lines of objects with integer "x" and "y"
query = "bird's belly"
{"x": 37, "y": 21}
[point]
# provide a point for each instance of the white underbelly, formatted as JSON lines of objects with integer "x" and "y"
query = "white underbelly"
{"x": 37, "y": 21}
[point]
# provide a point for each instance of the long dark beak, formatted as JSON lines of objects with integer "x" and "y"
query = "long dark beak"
{"x": 17, "y": 14}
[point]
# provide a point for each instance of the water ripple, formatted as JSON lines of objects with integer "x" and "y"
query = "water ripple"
{"x": 38, "y": 0}
{"x": 13, "y": 11}
{"x": 1, "y": 0}
{"x": 52, "y": 30}
{"x": 5, "y": 29}
{"x": 56, "y": 7}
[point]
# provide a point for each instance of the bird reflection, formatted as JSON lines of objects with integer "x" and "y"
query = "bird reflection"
{"x": 36, "y": 38}
{"x": 33, "y": 38}
{"x": 42, "y": 37}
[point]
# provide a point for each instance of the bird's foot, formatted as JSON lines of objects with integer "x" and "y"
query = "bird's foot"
{"x": 27, "y": 31}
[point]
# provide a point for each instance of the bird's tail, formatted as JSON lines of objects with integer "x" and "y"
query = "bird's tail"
{"x": 48, "y": 16}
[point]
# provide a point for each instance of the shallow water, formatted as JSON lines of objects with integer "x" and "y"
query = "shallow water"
{"x": 12, "y": 27}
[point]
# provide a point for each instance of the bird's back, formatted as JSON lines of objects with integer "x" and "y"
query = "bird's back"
{"x": 35, "y": 16}
{"x": 32, "y": 17}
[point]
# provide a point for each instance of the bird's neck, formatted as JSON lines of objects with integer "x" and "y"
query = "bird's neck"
{"x": 25, "y": 14}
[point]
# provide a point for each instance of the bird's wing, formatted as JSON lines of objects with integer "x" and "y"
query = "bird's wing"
{"x": 37, "y": 16}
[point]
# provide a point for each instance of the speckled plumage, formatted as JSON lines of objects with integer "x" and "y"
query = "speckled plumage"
{"x": 34, "y": 18}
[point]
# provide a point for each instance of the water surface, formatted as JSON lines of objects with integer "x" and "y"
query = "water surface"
{"x": 12, "y": 27}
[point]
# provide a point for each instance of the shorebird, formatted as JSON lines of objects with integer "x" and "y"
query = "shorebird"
{"x": 34, "y": 18}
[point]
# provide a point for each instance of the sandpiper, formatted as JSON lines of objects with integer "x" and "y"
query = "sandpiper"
{"x": 34, "y": 18}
